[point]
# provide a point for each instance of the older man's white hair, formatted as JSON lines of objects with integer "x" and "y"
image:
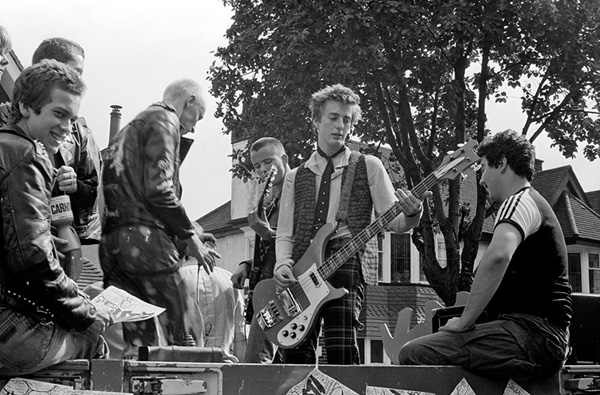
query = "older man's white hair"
{"x": 182, "y": 89}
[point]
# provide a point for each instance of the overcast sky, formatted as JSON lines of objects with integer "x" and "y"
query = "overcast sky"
{"x": 134, "y": 49}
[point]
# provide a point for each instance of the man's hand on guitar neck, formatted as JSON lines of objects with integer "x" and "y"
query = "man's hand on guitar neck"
{"x": 260, "y": 225}
{"x": 411, "y": 205}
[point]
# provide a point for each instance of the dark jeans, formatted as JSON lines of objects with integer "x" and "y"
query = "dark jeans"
{"x": 519, "y": 346}
{"x": 28, "y": 344}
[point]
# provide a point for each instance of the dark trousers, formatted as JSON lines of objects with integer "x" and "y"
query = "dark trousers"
{"x": 519, "y": 346}
{"x": 145, "y": 262}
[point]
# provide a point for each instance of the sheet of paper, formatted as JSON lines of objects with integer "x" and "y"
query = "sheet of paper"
{"x": 318, "y": 383}
{"x": 513, "y": 388}
{"x": 463, "y": 388}
{"x": 21, "y": 386}
{"x": 391, "y": 391}
{"x": 126, "y": 307}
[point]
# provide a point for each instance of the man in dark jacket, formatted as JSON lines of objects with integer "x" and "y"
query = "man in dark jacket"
{"x": 78, "y": 160}
{"x": 44, "y": 319}
{"x": 146, "y": 229}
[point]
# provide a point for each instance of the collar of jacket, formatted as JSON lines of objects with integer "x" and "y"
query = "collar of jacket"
{"x": 17, "y": 130}
{"x": 164, "y": 105}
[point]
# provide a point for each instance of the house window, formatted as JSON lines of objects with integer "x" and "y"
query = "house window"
{"x": 594, "y": 263}
{"x": 376, "y": 351}
{"x": 361, "y": 349}
{"x": 441, "y": 252}
{"x": 250, "y": 245}
{"x": 422, "y": 276}
{"x": 400, "y": 257}
{"x": 575, "y": 272}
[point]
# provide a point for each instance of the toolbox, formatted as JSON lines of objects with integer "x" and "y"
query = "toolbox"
{"x": 152, "y": 377}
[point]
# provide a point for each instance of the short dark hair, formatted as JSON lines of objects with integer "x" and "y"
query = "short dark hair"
{"x": 268, "y": 141}
{"x": 338, "y": 93}
{"x": 58, "y": 48}
{"x": 36, "y": 83}
{"x": 518, "y": 151}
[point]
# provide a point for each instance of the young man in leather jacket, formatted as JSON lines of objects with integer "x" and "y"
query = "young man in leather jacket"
{"x": 44, "y": 318}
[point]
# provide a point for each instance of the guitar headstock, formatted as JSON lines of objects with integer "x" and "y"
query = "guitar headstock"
{"x": 269, "y": 181}
{"x": 458, "y": 161}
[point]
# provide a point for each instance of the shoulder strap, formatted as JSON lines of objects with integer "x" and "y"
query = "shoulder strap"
{"x": 342, "y": 213}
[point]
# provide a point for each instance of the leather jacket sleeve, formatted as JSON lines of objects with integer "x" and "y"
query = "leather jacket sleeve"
{"x": 4, "y": 113}
{"x": 162, "y": 187}
{"x": 87, "y": 163}
{"x": 32, "y": 268}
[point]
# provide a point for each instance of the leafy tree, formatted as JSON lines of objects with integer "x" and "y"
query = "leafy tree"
{"x": 424, "y": 71}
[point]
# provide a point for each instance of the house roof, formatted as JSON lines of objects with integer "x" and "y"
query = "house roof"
{"x": 552, "y": 182}
{"x": 219, "y": 223}
{"x": 577, "y": 219}
{"x": 577, "y": 211}
{"x": 594, "y": 199}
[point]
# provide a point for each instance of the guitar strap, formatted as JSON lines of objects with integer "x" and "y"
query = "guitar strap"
{"x": 261, "y": 246}
{"x": 342, "y": 214}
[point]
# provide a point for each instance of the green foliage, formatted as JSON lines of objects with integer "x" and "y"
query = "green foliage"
{"x": 420, "y": 68}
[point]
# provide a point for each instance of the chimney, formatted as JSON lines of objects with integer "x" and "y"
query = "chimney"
{"x": 115, "y": 120}
{"x": 538, "y": 166}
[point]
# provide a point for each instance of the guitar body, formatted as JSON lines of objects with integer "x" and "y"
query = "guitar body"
{"x": 288, "y": 318}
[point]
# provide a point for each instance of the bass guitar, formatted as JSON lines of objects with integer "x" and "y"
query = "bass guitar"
{"x": 259, "y": 247}
{"x": 287, "y": 318}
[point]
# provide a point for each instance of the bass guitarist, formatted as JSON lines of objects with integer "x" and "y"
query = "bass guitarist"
{"x": 270, "y": 162}
{"x": 335, "y": 111}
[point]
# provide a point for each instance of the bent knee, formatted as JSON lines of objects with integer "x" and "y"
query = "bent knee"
{"x": 410, "y": 352}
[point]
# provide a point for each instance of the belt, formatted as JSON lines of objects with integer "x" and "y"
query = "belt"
{"x": 23, "y": 304}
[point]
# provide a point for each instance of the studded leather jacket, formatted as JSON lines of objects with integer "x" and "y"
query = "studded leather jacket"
{"x": 79, "y": 151}
{"x": 31, "y": 278}
{"x": 141, "y": 174}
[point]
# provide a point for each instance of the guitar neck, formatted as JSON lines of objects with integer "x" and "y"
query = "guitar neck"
{"x": 361, "y": 239}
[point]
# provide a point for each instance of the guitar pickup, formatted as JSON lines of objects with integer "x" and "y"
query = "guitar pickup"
{"x": 315, "y": 279}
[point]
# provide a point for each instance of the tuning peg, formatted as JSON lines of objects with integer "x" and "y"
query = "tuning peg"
{"x": 463, "y": 176}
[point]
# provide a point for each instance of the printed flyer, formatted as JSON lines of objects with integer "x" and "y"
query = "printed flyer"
{"x": 20, "y": 386}
{"x": 318, "y": 383}
{"x": 126, "y": 307}
{"x": 390, "y": 391}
